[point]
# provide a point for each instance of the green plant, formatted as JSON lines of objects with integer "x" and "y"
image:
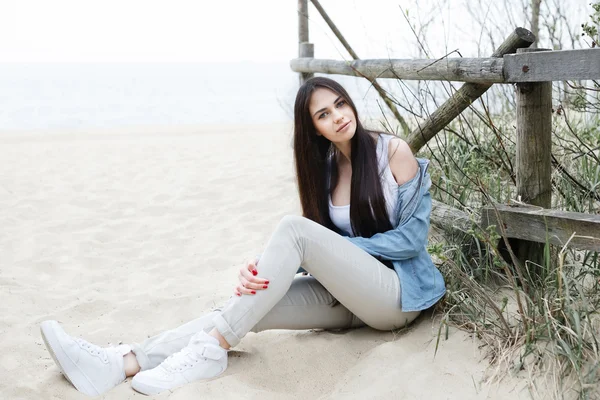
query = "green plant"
{"x": 591, "y": 28}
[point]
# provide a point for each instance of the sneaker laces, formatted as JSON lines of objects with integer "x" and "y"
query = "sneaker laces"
{"x": 91, "y": 348}
{"x": 182, "y": 359}
{"x": 101, "y": 352}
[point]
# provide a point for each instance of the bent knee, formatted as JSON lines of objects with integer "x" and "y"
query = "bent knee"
{"x": 294, "y": 222}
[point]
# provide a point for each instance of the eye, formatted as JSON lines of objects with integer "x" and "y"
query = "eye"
{"x": 341, "y": 103}
{"x": 323, "y": 115}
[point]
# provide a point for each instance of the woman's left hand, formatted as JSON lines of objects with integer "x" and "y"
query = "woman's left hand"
{"x": 249, "y": 282}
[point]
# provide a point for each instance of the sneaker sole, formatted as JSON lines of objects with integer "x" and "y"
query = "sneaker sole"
{"x": 149, "y": 390}
{"x": 69, "y": 369}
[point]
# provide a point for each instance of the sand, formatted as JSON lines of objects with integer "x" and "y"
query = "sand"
{"x": 121, "y": 234}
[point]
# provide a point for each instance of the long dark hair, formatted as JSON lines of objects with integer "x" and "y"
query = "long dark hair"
{"x": 315, "y": 156}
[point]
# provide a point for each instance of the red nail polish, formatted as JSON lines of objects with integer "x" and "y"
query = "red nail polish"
{"x": 265, "y": 287}
{"x": 239, "y": 294}
{"x": 254, "y": 272}
{"x": 266, "y": 282}
{"x": 253, "y": 292}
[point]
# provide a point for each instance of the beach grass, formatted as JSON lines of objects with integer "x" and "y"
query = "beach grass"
{"x": 540, "y": 321}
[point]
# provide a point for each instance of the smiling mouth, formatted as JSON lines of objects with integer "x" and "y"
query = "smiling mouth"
{"x": 343, "y": 126}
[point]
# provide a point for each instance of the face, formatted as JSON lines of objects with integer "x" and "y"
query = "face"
{"x": 332, "y": 115}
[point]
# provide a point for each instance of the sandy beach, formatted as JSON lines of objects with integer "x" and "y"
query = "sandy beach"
{"x": 121, "y": 234}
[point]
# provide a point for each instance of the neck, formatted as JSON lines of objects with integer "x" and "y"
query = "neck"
{"x": 345, "y": 149}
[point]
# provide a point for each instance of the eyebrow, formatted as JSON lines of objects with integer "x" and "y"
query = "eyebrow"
{"x": 325, "y": 108}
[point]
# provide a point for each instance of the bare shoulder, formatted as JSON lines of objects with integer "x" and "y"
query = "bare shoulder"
{"x": 403, "y": 163}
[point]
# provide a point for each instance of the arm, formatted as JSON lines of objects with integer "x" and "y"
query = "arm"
{"x": 403, "y": 164}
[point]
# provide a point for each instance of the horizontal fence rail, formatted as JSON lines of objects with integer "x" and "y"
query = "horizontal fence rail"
{"x": 477, "y": 70}
{"x": 557, "y": 65}
{"x": 559, "y": 228}
{"x": 511, "y": 68}
{"x": 540, "y": 225}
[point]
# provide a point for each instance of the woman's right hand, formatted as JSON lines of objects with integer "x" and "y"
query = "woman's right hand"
{"x": 249, "y": 282}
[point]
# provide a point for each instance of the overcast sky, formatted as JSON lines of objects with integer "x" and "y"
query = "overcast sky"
{"x": 187, "y": 30}
{"x": 225, "y": 31}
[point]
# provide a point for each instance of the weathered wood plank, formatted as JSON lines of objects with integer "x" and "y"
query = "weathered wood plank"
{"x": 467, "y": 94}
{"x": 302, "y": 21}
{"x": 540, "y": 224}
{"x": 479, "y": 70}
{"x": 533, "y": 159}
{"x": 549, "y": 66}
{"x": 534, "y": 141}
{"x": 449, "y": 219}
{"x": 512, "y": 68}
{"x": 305, "y": 49}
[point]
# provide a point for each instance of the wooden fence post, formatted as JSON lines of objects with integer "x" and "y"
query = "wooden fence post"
{"x": 534, "y": 149}
{"x": 305, "y": 49}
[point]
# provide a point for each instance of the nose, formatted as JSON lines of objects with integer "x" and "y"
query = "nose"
{"x": 337, "y": 116}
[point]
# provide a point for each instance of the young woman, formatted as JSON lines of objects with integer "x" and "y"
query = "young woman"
{"x": 362, "y": 237}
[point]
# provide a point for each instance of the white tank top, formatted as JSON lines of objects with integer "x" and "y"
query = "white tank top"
{"x": 340, "y": 215}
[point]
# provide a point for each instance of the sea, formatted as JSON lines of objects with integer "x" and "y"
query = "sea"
{"x": 40, "y": 96}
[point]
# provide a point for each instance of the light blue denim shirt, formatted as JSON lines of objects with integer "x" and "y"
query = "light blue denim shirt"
{"x": 406, "y": 246}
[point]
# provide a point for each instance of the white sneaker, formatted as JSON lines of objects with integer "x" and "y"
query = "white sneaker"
{"x": 202, "y": 358}
{"x": 91, "y": 369}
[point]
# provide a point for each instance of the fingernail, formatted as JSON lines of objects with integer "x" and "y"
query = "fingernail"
{"x": 264, "y": 287}
{"x": 239, "y": 294}
{"x": 254, "y": 272}
{"x": 253, "y": 292}
{"x": 266, "y": 282}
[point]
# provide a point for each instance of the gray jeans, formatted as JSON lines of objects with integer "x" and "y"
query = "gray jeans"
{"x": 348, "y": 288}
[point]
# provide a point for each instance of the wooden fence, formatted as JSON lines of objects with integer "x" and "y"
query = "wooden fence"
{"x": 513, "y": 62}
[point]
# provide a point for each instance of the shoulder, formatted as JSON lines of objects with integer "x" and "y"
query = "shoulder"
{"x": 403, "y": 163}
